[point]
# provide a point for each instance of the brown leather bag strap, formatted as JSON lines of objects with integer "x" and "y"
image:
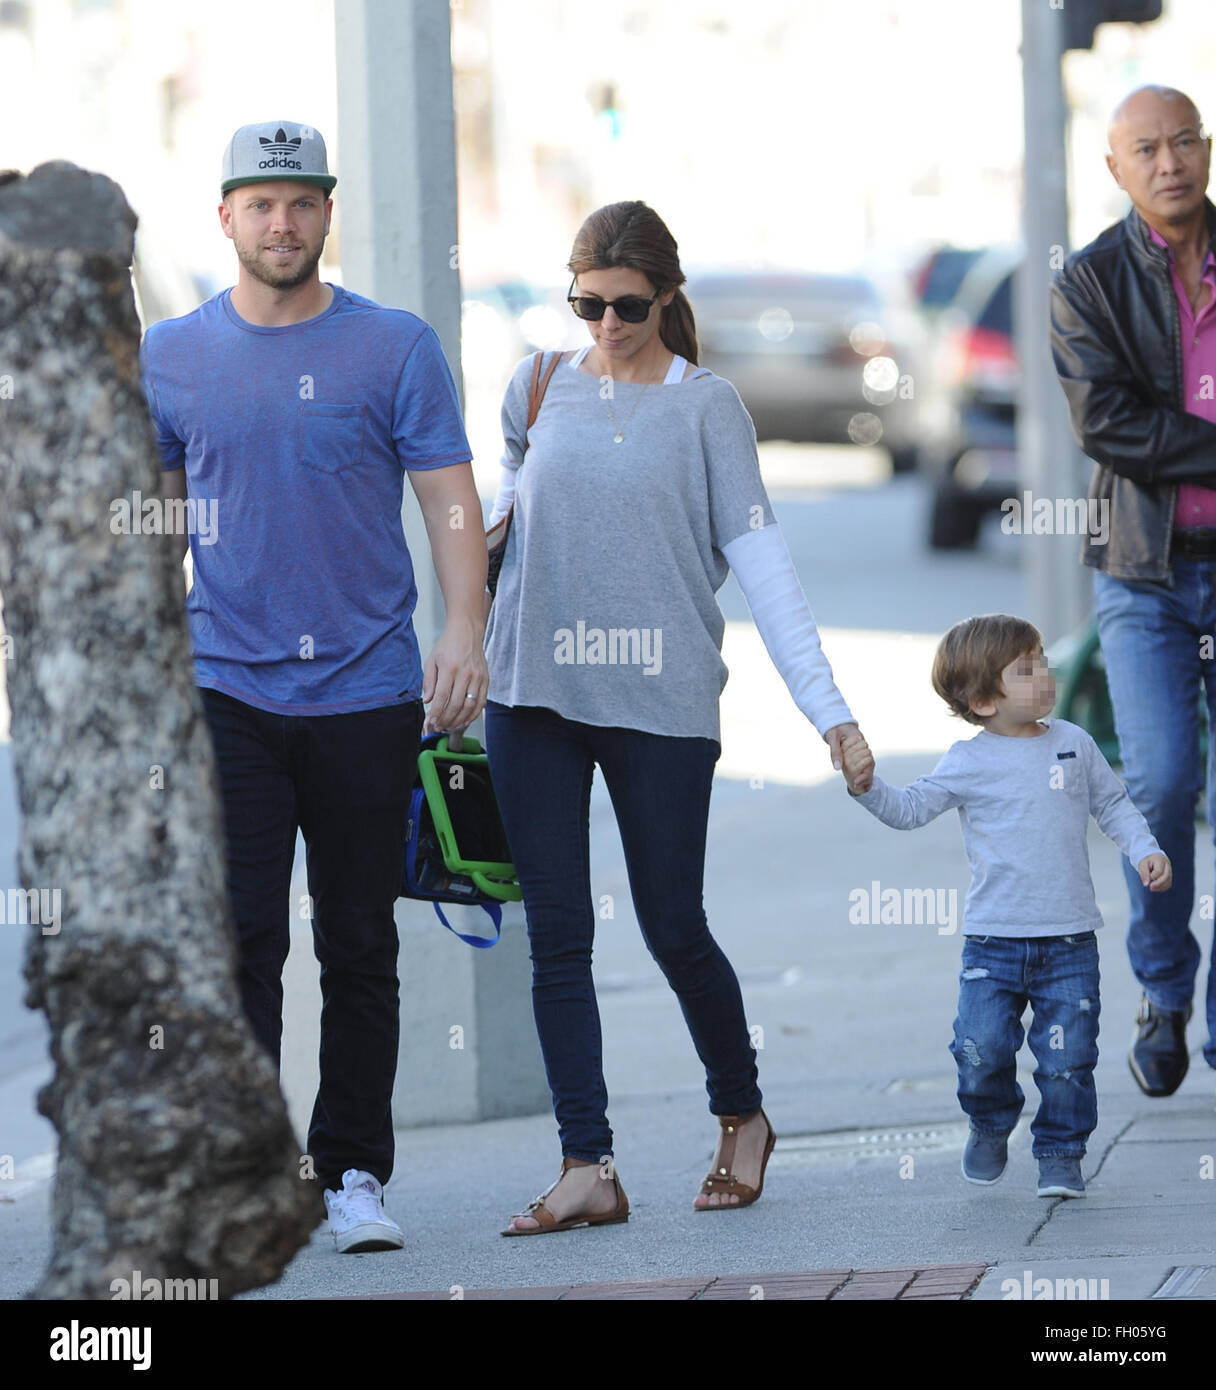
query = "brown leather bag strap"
{"x": 536, "y": 394}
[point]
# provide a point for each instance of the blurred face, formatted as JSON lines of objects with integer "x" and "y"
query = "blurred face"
{"x": 1030, "y": 691}
{"x": 1159, "y": 156}
{"x": 278, "y": 229}
{"x": 615, "y": 339}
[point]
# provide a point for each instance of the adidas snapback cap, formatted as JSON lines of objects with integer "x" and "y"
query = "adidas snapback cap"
{"x": 275, "y": 150}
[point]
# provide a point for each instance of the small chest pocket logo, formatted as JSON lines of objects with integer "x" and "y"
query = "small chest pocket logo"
{"x": 330, "y": 437}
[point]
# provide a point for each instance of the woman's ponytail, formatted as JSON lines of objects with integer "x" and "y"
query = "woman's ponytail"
{"x": 678, "y": 328}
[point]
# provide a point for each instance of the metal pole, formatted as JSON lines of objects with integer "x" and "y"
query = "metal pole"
{"x": 397, "y": 192}
{"x": 1051, "y": 464}
{"x": 397, "y": 189}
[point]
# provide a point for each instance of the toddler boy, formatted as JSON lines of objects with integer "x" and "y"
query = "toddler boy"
{"x": 1025, "y": 787}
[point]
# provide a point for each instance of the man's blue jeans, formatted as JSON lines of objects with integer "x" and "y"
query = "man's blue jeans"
{"x": 1158, "y": 668}
{"x": 542, "y": 765}
{"x": 1058, "y": 977}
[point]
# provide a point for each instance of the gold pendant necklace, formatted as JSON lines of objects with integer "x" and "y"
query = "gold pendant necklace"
{"x": 619, "y": 436}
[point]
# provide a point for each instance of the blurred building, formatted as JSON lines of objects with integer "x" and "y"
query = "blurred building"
{"x": 782, "y": 132}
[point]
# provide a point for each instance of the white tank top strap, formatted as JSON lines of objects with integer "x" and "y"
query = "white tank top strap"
{"x": 675, "y": 373}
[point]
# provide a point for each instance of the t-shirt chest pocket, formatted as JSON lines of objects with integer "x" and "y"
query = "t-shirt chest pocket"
{"x": 1066, "y": 775}
{"x": 331, "y": 437}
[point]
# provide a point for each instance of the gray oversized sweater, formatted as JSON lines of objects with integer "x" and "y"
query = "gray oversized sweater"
{"x": 1025, "y": 805}
{"x": 606, "y": 609}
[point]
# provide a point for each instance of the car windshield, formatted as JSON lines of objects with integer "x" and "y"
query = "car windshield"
{"x": 945, "y": 274}
{"x": 998, "y": 312}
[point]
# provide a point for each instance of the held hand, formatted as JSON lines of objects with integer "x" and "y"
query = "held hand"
{"x": 1155, "y": 872}
{"x": 455, "y": 740}
{"x": 456, "y": 679}
{"x": 858, "y": 764}
{"x": 835, "y": 736}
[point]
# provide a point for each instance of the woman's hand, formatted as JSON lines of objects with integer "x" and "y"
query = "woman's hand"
{"x": 851, "y": 753}
{"x": 858, "y": 765}
{"x": 835, "y": 736}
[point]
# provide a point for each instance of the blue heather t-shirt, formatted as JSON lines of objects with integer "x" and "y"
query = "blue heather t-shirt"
{"x": 296, "y": 438}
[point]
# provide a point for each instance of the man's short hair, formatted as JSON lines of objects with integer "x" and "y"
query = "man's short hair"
{"x": 971, "y": 656}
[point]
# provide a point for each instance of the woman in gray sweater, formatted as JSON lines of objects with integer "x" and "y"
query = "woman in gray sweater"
{"x": 635, "y": 491}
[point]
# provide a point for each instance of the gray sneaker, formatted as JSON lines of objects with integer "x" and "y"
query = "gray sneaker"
{"x": 985, "y": 1157}
{"x": 1061, "y": 1177}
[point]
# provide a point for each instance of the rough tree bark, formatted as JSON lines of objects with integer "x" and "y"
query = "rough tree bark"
{"x": 176, "y": 1157}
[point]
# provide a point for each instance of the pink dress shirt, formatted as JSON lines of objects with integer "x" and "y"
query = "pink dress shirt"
{"x": 1196, "y": 505}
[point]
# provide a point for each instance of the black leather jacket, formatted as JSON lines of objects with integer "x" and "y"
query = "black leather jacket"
{"x": 1117, "y": 346}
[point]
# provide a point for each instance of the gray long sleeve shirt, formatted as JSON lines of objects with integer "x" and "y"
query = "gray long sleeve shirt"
{"x": 606, "y": 609}
{"x": 1025, "y": 805}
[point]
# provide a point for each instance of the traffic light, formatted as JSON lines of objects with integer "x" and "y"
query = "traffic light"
{"x": 1082, "y": 17}
{"x": 604, "y": 103}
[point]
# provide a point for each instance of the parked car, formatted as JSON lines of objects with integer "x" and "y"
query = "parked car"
{"x": 936, "y": 279}
{"x": 813, "y": 356}
{"x": 968, "y": 447}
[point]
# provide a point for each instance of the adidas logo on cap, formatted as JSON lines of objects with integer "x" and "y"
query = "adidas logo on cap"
{"x": 275, "y": 150}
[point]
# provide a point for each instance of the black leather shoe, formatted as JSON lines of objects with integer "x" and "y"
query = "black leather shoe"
{"x": 1159, "y": 1058}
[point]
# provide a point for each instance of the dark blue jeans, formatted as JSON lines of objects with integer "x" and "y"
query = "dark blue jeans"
{"x": 1058, "y": 977}
{"x": 542, "y": 765}
{"x": 344, "y": 781}
{"x": 1159, "y": 666}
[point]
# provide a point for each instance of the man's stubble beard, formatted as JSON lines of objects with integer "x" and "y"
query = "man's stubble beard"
{"x": 288, "y": 279}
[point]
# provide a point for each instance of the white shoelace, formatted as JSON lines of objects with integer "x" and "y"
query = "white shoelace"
{"x": 359, "y": 1204}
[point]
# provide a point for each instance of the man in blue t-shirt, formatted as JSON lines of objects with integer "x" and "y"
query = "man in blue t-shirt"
{"x": 288, "y": 412}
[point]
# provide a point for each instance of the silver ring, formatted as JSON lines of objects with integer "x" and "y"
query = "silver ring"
{"x": 470, "y": 697}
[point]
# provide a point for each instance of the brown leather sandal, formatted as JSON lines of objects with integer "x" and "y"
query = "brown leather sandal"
{"x": 548, "y": 1223}
{"x": 723, "y": 1180}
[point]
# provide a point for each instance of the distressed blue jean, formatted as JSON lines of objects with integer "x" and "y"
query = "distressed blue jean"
{"x": 1058, "y": 977}
{"x": 1158, "y": 667}
{"x": 542, "y": 765}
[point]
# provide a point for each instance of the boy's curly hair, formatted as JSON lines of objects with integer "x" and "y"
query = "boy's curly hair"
{"x": 972, "y": 655}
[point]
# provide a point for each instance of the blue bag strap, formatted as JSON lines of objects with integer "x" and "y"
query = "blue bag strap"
{"x": 492, "y": 911}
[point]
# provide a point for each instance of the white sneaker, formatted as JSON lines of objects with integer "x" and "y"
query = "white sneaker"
{"x": 357, "y": 1217}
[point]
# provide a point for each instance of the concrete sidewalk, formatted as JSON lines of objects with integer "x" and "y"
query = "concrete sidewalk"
{"x": 863, "y": 1191}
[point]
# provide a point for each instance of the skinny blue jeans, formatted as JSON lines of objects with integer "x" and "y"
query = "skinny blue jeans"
{"x": 542, "y": 765}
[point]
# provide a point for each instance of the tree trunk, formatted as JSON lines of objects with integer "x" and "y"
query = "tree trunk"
{"x": 176, "y": 1157}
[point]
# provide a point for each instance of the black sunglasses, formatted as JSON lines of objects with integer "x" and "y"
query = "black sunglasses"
{"x": 630, "y": 308}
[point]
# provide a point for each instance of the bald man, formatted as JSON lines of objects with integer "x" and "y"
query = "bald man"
{"x": 1133, "y": 334}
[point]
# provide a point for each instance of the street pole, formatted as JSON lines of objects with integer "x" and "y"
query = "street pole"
{"x": 468, "y": 1043}
{"x": 397, "y": 193}
{"x": 1052, "y": 466}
